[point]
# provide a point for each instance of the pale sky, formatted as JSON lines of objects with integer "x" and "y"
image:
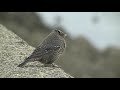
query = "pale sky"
{"x": 105, "y": 33}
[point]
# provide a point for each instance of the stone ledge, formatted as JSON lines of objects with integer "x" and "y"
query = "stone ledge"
{"x": 13, "y": 50}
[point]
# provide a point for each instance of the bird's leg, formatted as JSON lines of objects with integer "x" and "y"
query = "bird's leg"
{"x": 47, "y": 65}
{"x": 51, "y": 65}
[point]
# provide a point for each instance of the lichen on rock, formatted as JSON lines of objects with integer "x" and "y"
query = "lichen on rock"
{"x": 13, "y": 51}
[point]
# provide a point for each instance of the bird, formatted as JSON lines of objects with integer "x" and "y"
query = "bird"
{"x": 51, "y": 48}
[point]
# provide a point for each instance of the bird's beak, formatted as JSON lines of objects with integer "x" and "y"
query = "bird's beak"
{"x": 65, "y": 35}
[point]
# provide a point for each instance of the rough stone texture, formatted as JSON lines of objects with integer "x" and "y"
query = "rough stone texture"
{"x": 13, "y": 51}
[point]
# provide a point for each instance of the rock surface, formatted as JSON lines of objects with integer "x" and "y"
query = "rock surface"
{"x": 13, "y": 51}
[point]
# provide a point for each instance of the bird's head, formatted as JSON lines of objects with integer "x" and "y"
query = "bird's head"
{"x": 61, "y": 33}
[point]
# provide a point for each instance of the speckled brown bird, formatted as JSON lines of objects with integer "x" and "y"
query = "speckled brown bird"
{"x": 49, "y": 50}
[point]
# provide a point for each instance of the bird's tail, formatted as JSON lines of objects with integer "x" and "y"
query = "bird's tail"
{"x": 22, "y": 64}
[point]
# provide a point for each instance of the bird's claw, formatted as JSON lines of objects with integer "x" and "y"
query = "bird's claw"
{"x": 52, "y": 65}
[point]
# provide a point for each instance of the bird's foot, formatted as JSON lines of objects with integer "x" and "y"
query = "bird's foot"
{"x": 52, "y": 65}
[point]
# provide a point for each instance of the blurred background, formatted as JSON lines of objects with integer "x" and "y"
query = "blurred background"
{"x": 93, "y": 42}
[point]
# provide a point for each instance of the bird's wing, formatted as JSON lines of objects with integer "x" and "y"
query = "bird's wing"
{"x": 40, "y": 51}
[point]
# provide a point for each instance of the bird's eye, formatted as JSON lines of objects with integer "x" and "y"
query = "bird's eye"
{"x": 59, "y": 32}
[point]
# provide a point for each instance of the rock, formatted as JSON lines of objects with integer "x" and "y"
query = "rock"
{"x": 13, "y": 51}
{"x": 28, "y": 25}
